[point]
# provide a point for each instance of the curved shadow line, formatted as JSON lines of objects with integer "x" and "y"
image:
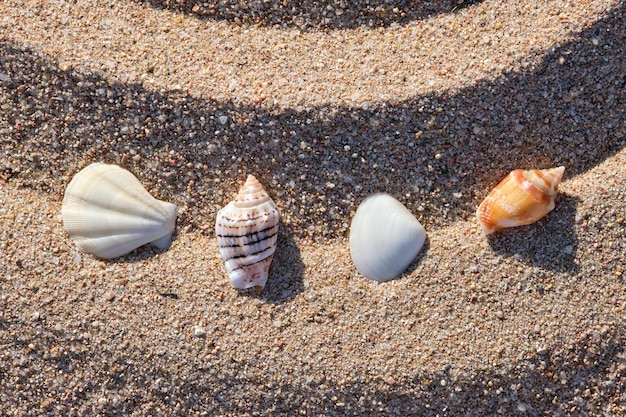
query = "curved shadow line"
{"x": 314, "y": 14}
{"x": 440, "y": 151}
{"x": 555, "y": 382}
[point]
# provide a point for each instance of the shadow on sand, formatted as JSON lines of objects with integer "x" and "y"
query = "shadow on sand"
{"x": 568, "y": 119}
{"x": 550, "y": 243}
{"x": 584, "y": 377}
{"x": 285, "y": 276}
{"x": 572, "y": 114}
{"x": 314, "y": 14}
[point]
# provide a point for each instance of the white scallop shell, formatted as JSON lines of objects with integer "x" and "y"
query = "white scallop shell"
{"x": 384, "y": 238}
{"x": 247, "y": 230}
{"x": 108, "y": 213}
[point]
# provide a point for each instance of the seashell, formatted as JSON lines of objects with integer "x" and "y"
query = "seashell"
{"x": 384, "y": 237}
{"x": 247, "y": 230}
{"x": 521, "y": 198}
{"x": 108, "y": 213}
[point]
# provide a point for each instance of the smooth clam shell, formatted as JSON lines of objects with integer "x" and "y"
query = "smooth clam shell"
{"x": 107, "y": 212}
{"x": 247, "y": 231}
{"x": 521, "y": 198}
{"x": 384, "y": 238}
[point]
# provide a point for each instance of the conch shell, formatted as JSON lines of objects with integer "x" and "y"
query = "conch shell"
{"x": 521, "y": 198}
{"x": 384, "y": 237}
{"x": 247, "y": 230}
{"x": 107, "y": 212}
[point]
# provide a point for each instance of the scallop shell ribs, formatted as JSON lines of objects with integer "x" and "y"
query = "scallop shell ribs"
{"x": 247, "y": 230}
{"x": 107, "y": 212}
{"x": 521, "y": 198}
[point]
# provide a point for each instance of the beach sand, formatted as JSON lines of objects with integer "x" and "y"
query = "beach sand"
{"x": 325, "y": 103}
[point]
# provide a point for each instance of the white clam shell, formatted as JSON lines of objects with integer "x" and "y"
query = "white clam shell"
{"x": 247, "y": 231}
{"x": 384, "y": 237}
{"x": 107, "y": 212}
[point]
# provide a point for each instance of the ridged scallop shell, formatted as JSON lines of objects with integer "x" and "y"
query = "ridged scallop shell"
{"x": 247, "y": 230}
{"x": 108, "y": 213}
{"x": 521, "y": 198}
{"x": 384, "y": 238}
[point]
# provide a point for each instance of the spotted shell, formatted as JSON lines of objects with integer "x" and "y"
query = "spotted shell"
{"x": 107, "y": 212}
{"x": 384, "y": 237}
{"x": 247, "y": 230}
{"x": 521, "y": 198}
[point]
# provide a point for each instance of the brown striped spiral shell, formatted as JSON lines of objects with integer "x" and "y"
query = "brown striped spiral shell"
{"x": 247, "y": 230}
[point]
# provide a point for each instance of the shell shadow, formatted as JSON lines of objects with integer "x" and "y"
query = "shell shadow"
{"x": 137, "y": 255}
{"x": 141, "y": 253}
{"x": 550, "y": 243}
{"x": 285, "y": 276}
{"x": 418, "y": 259}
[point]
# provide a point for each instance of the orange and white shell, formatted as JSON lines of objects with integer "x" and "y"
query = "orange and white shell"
{"x": 521, "y": 198}
{"x": 247, "y": 230}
